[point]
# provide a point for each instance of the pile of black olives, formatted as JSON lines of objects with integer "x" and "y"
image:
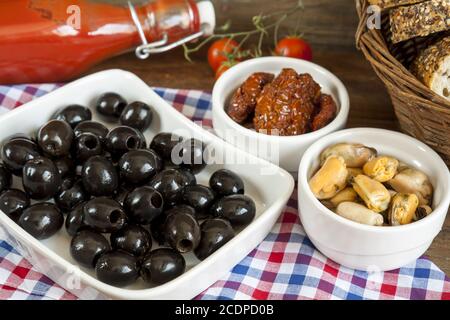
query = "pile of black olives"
{"x": 130, "y": 210}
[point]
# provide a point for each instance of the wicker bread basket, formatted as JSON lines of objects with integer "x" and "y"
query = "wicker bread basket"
{"x": 421, "y": 112}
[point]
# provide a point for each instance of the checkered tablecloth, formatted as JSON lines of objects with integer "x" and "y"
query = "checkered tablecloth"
{"x": 284, "y": 266}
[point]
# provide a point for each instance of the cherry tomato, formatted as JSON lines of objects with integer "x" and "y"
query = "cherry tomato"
{"x": 223, "y": 67}
{"x": 294, "y": 47}
{"x": 217, "y": 53}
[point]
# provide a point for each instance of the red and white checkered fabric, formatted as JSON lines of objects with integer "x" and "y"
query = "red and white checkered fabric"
{"x": 284, "y": 266}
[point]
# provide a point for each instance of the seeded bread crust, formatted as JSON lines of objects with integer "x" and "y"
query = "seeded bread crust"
{"x": 432, "y": 67}
{"x": 419, "y": 20}
{"x": 386, "y": 4}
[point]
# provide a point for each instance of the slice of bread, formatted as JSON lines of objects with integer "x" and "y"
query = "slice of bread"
{"x": 419, "y": 20}
{"x": 432, "y": 67}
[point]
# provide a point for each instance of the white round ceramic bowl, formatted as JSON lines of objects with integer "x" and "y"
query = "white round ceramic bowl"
{"x": 283, "y": 151}
{"x": 364, "y": 247}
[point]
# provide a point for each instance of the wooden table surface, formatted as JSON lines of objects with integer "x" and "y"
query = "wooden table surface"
{"x": 330, "y": 26}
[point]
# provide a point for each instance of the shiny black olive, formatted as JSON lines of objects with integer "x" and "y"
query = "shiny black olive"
{"x": 55, "y": 138}
{"x": 73, "y": 115}
{"x": 170, "y": 184}
{"x": 41, "y": 220}
{"x": 75, "y": 220}
{"x": 92, "y": 127}
{"x": 190, "y": 177}
{"x": 225, "y": 182}
{"x": 162, "y": 265}
{"x": 87, "y": 246}
{"x": 104, "y": 215}
{"x": 137, "y": 167}
{"x": 182, "y": 232}
{"x": 100, "y": 177}
{"x": 123, "y": 139}
{"x": 87, "y": 145}
{"x": 110, "y": 105}
{"x": 238, "y": 209}
{"x": 121, "y": 195}
{"x": 70, "y": 196}
{"x": 17, "y": 151}
{"x": 200, "y": 198}
{"x": 117, "y": 268}
{"x": 65, "y": 166}
{"x": 13, "y": 202}
{"x": 5, "y": 178}
{"x": 215, "y": 233}
{"x": 163, "y": 143}
{"x": 190, "y": 154}
{"x": 137, "y": 115}
{"x": 41, "y": 179}
{"x": 133, "y": 239}
{"x": 144, "y": 204}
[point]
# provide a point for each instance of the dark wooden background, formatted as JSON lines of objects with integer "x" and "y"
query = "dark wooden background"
{"x": 329, "y": 25}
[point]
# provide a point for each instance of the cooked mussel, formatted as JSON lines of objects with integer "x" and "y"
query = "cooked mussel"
{"x": 381, "y": 169}
{"x": 355, "y": 155}
{"x": 330, "y": 179}
{"x": 402, "y": 209}
{"x": 413, "y": 181}
{"x": 359, "y": 213}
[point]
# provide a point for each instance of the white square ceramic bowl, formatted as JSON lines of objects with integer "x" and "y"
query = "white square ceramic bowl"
{"x": 372, "y": 248}
{"x": 52, "y": 256}
{"x": 285, "y": 151}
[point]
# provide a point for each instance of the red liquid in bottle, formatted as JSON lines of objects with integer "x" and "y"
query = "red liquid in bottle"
{"x": 56, "y": 40}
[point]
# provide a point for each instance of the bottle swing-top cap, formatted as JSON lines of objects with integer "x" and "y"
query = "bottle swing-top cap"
{"x": 207, "y": 18}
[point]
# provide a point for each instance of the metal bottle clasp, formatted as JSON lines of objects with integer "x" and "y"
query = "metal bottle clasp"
{"x": 163, "y": 45}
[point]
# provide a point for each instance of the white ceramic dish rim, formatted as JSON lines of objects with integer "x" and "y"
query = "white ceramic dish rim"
{"x": 303, "y": 180}
{"x": 220, "y": 86}
{"x": 143, "y": 293}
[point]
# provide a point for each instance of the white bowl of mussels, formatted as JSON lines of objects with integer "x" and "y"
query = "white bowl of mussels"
{"x": 372, "y": 199}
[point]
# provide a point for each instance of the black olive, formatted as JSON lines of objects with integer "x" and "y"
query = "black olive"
{"x": 73, "y": 115}
{"x": 92, "y": 127}
{"x": 137, "y": 115}
{"x": 41, "y": 220}
{"x": 137, "y": 167}
{"x": 144, "y": 204}
{"x": 190, "y": 154}
{"x": 70, "y": 196}
{"x": 75, "y": 220}
{"x": 121, "y": 195}
{"x": 110, "y": 105}
{"x": 5, "y": 178}
{"x": 104, "y": 215}
{"x": 133, "y": 239}
{"x": 225, "y": 182}
{"x": 100, "y": 177}
{"x": 65, "y": 166}
{"x": 170, "y": 184}
{"x": 238, "y": 209}
{"x": 41, "y": 179}
{"x": 200, "y": 198}
{"x": 163, "y": 143}
{"x": 182, "y": 232}
{"x": 215, "y": 233}
{"x": 17, "y": 151}
{"x": 87, "y": 145}
{"x": 190, "y": 177}
{"x": 123, "y": 139}
{"x": 162, "y": 265}
{"x": 87, "y": 246}
{"x": 117, "y": 268}
{"x": 55, "y": 138}
{"x": 13, "y": 202}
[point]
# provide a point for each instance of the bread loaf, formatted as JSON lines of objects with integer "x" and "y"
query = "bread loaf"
{"x": 386, "y": 4}
{"x": 432, "y": 67}
{"x": 419, "y": 20}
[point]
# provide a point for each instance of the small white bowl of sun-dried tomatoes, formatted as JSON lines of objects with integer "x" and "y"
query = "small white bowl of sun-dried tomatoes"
{"x": 276, "y": 107}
